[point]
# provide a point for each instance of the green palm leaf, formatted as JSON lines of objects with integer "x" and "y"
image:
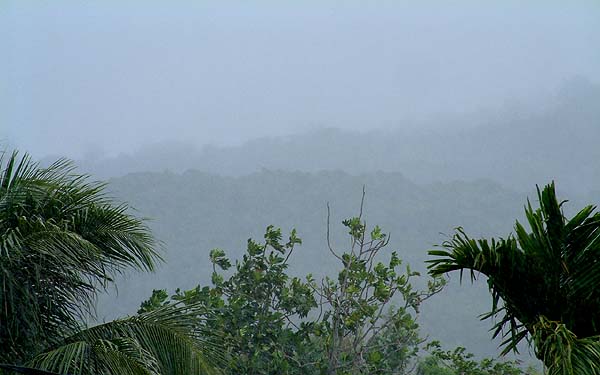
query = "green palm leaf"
{"x": 12, "y": 369}
{"x": 164, "y": 341}
{"x": 60, "y": 239}
{"x": 549, "y": 273}
{"x": 563, "y": 352}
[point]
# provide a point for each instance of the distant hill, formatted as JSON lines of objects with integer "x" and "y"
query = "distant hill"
{"x": 517, "y": 146}
{"x": 194, "y": 212}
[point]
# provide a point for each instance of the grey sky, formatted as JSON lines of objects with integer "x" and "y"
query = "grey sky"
{"x": 113, "y": 75}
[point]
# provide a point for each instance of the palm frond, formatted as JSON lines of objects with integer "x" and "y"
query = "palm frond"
{"x": 60, "y": 239}
{"x": 12, "y": 369}
{"x": 551, "y": 270}
{"x": 564, "y": 353}
{"x": 163, "y": 341}
{"x": 117, "y": 356}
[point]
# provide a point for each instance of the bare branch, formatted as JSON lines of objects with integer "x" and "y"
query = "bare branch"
{"x": 328, "y": 234}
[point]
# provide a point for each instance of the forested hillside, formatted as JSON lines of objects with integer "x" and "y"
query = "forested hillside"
{"x": 194, "y": 212}
{"x": 516, "y": 144}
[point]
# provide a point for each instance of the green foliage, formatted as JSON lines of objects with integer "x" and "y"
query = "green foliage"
{"x": 459, "y": 361}
{"x": 158, "y": 299}
{"x": 194, "y": 212}
{"x": 361, "y": 322}
{"x": 61, "y": 241}
{"x": 254, "y": 318}
{"x": 255, "y": 310}
{"x": 56, "y": 222}
{"x": 563, "y": 352}
{"x": 14, "y": 369}
{"x": 546, "y": 280}
{"x": 165, "y": 340}
{"x": 366, "y": 331}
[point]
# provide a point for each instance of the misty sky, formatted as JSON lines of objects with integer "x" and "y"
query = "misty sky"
{"x": 108, "y": 76}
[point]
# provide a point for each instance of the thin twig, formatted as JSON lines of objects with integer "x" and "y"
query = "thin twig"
{"x": 328, "y": 234}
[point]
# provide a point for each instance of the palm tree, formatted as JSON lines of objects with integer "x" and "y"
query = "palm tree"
{"x": 61, "y": 241}
{"x": 544, "y": 282}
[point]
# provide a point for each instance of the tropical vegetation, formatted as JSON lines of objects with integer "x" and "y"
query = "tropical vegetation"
{"x": 544, "y": 282}
{"x": 62, "y": 241}
{"x": 362, "y": 321}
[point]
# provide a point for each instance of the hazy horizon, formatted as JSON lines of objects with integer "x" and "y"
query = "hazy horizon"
{"x": 85, "y": 79}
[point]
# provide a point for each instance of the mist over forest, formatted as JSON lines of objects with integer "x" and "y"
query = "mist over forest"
{"x": 513, "y": 146}
{"x": 215, "y": 121}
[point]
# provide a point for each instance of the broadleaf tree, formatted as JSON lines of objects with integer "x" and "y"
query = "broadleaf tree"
{"x": 363, "y": 321}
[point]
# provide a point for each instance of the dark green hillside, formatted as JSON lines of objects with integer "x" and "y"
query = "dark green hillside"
{"x": 194, "y": 212}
